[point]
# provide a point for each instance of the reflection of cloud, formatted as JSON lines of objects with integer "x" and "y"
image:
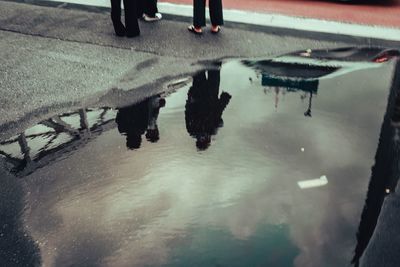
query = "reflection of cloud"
{"x": 142, "y": 217}
{"x": 269, "y": 245}
{"x": 83, "y": 249}
{"x": 140, "y": 205}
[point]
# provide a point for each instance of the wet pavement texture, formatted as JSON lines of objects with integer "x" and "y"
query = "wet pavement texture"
{"x": 238, "y": 167}
{"x": 79, "y": 67}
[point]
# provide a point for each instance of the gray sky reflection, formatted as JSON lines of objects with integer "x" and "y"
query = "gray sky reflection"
{"x": 110, "y": 206}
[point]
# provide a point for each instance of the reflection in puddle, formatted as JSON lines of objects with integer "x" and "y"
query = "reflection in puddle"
{"x": 210, "y": 175}
{"x": 53, "y": 138}
{"x": 138, "y": 119}
{"x": 216, "y": 247}
{"x": 203, "y": 110}
{"x": 17, "y": 247}
{"x": 384, "y": 173}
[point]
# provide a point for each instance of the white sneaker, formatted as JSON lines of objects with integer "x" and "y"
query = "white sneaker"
{"x": 156, "y": 17}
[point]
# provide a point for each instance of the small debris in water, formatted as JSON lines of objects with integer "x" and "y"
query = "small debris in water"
{"x": 313, "y": 183}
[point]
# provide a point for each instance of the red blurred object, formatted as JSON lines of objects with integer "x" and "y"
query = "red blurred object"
{"x": 386, "y": 56}
{"x": 381, "y": 12}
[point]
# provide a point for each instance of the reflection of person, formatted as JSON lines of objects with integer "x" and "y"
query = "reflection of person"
{"x": 131, "y": 28}
{"x": 204, "y": 107}
{"x": 133, "y": 121}
{"x": 154, "y": 105}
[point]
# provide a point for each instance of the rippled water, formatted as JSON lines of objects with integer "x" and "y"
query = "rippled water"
{"x": 260, "y": 175}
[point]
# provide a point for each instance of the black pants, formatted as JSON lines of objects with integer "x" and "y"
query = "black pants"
{"x": 131, "y": 11}
{"x": 199, "y": 12}
{"x": 148, "y": 7}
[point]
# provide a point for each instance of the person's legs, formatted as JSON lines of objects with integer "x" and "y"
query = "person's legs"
{"x": 150, "y": 8}
{"x": 116, "y": 17}
{"x": 115, "y": 10}
{"x": 216, "y": 14}
{"x": 140, "y": 8}
{"x": 131, "y": 22}
{"x": 199, "y": 13}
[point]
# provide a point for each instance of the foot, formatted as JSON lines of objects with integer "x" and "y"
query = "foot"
{"x": 215, "y": 28}
{"x": 195, "y": 30}
{"x": 119, "y": 28}
{"x": 131, "y": 34}
{"x": 148, "y": 18}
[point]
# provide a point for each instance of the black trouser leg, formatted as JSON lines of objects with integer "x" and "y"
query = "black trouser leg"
{"x": 199, "y": 13}
{"x": 216, "y": 12}
{"x": 116, "y": 17}
{"x": 116, "y": 10}
{"x": 131, "y": 22}
{"x": 213, "y": 82}
{"x": 150, "y": 7}
{"x": 140, "y": 8}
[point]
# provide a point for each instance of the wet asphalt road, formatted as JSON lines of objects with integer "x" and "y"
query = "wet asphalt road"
{"x": 142, "y": 186}
{"x": 48, "y": 66}
{"x": 53, "y": 59}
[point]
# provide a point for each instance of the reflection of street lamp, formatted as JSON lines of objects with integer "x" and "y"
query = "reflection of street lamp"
{"x": 276, "y": 97}
{"x": 306, "y": 85}
{"x": 308, "y": 111}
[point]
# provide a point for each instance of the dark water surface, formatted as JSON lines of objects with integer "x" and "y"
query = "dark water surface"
{"x": 234, "y": 169}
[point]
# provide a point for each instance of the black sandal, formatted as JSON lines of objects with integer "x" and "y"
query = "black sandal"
{"x": 192, "y": 29}
{"x": 217, "y": 30}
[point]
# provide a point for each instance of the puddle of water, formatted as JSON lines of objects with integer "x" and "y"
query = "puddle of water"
{"x": 239, "y": 168}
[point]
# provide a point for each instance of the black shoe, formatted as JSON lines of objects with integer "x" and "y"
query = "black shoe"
{"x": 195, "y": 30}
{"x": 131, "y": 34}
{"x": 119, "y": 28}
{"x": 215, "y": 29}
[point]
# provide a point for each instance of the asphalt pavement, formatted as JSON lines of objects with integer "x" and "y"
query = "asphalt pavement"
{"x": 57, "y": 59}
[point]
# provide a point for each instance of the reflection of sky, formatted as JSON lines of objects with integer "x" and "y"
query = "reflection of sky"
{"x": 269, "y": 245}
{"x": 36, "y": 144}
{"x": 14, "y": 150}
{"x": 73, "y": 120}
{"x": 109, "y": 206}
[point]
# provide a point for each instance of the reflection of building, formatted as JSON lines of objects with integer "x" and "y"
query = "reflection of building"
{"x": 302, "y": 70}
{"x": 52, "y": 138}
{"x": 291, "y": 78}
{"x": 385, "y": 172}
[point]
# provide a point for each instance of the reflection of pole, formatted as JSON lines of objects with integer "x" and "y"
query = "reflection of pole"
{"x": 23, "y": 144}
{"x": 83, "y": 119}
{"x": 276, "y": 98}
{"x": 308, "y": 112}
